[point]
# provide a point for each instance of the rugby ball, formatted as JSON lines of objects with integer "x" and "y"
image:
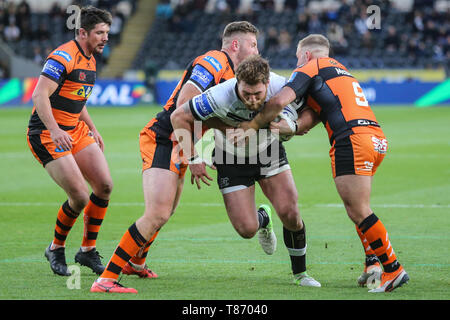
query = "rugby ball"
{"x": 289, "y": 114}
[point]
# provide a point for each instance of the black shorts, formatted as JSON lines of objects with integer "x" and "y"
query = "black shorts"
{"x": 241, "y": 173}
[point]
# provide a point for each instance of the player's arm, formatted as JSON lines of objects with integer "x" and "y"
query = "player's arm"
{"x": 293, "y": 90}
{"x": 189, "y": 91}
{"x": 41, "y": 100}
{"x": 84, "y": 116}
{"x": 307, "y": 120}
{"x": 216, "y": 123}
{"x": 271, "y": 109}
{"x": 182, "y": 121}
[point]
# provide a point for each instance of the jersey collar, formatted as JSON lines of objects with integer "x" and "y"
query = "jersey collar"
{"x": 81, "y": 50}
{"x": 229, "y": 61}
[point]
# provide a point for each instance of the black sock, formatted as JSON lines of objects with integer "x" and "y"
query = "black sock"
{"x": 371, "y": 259}
{"x": 295, "y": 242}
{"x": 263, "y": 218}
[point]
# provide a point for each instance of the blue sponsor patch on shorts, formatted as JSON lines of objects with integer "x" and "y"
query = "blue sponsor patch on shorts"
{"x": 201, "y": 76}
{"x": 202, "y": 106}
{"x": 213, "y": 61}
{"x": 63, "y": 54}
{"x": 53, "y": 68}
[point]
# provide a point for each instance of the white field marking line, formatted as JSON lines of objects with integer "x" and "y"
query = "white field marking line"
{"x": 213, "y": 204}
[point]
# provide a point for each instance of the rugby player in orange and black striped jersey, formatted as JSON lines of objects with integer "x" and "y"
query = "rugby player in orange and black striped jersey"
{"x": 358, "y": 146}
{"x": 163, "y": 167}
{"x": 63, "y": 138}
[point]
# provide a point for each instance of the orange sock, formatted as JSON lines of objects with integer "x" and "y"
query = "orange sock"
{"x": 129, "y": 245}
{"x": 140, "y": 257}
{"x": 375, "y": 233}
{"x": 65, "y": 220}
{"x": 94, "y": 213}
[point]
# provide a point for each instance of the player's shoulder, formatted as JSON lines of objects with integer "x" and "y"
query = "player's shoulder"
{"x": 65, "y": 53}
{"x": 276, "y": 83}
{"x": 326, "y": 62}
{"x": 275, "y": 77}
{"x": 311, "y": 69}
{"x": 213, "y": 60}
{"x": 224, "y": 91}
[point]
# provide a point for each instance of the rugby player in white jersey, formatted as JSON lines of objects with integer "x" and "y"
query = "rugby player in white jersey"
{"x": 262, "y": 159}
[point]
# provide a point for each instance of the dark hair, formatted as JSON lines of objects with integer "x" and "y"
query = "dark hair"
{"x": 239, "y": 27}
{"x": 253, "y": 69}
{"x": 91, "y": 16}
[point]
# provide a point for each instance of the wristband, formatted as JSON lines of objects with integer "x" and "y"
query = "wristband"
{"x": 195, "y": 160}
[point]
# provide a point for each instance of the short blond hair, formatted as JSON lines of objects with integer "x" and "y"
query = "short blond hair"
{"x": 315, "y": 42}
{"x": 253, "y": 70}
{"x": 239, "y": 27}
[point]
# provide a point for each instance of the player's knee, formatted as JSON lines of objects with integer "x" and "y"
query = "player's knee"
{"x": 79, "y": 200}
{"x": 104, "y": 189}
{"x": 247, "y": 231}
{"x": 288, "y": 212}
{"x": 107, "y": 187}
{"x": 157, "y": 219}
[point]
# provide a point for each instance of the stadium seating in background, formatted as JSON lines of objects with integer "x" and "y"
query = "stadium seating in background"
{"x": 414, "y": 36}
{"x": 34, "y": 34}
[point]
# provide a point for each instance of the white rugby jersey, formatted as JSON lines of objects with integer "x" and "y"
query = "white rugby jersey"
{"x": 222, "y": 101}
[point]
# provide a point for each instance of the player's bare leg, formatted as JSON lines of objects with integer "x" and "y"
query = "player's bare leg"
{"x": 94, "y": 168}
{"x": 280, "y": 189}
{"x": 355, "y": 193}
{"x": 160, "y": 190}
{"x": 65, "y": 172}
{"x": 247, "y": 220}
{"x": 137, "y": 265}
{"x": 241, "y": 210}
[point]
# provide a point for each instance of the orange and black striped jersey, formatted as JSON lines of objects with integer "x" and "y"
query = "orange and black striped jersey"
{"x": 75, "y": 74}
{"x": 336, "y": 96}
{"x": 204, "y": 72}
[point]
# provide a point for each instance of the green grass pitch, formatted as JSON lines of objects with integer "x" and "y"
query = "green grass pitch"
{"x": 199, "y": 256}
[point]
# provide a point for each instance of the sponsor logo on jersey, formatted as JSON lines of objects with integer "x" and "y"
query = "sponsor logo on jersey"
{"x": 63, "y": 54}
{"x": 212, "y": 61}
{"x": 343, "y": 72}
{"x": 201, "y": 76}
{"x": 202, "y": 106}
{"x": 82, "y": 76}
{"x": 53, "y": 68}
{"x": 84, "y": 91}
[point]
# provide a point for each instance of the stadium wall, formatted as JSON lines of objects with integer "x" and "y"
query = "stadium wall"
{"x": 376, "y": 92}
